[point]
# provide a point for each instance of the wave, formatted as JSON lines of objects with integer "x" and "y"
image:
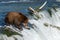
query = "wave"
{"x": 14, "y": 1}
{"x": 10, "y": 2}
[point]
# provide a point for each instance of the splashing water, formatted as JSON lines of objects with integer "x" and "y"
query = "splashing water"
{"x": 46, "y": 28}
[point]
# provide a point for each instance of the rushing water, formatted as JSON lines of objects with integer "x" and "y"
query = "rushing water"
{"x": 46, "y": 28}
{"x": 21, "y": 7}
{"x": 18, "y": 7}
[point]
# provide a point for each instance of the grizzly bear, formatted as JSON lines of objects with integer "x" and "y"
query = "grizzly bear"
{"x": 16, "y": 18}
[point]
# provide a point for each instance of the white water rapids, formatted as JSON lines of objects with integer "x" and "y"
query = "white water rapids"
{"x": 40, "y": 31}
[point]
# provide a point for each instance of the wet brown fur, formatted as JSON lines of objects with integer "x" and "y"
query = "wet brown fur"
{"x": 16, "y": 18}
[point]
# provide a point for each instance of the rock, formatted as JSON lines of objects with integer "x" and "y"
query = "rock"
{"x": 9, "y": 31}
{"x": 46, "y": 24}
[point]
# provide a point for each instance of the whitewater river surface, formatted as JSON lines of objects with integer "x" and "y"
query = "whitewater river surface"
{"x": 45, "y": 28}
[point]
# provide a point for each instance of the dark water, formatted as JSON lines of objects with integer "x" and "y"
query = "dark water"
{"x": 20, "y": 7}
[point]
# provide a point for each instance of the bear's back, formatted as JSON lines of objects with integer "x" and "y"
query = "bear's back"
{"x": 11, "y": 16}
